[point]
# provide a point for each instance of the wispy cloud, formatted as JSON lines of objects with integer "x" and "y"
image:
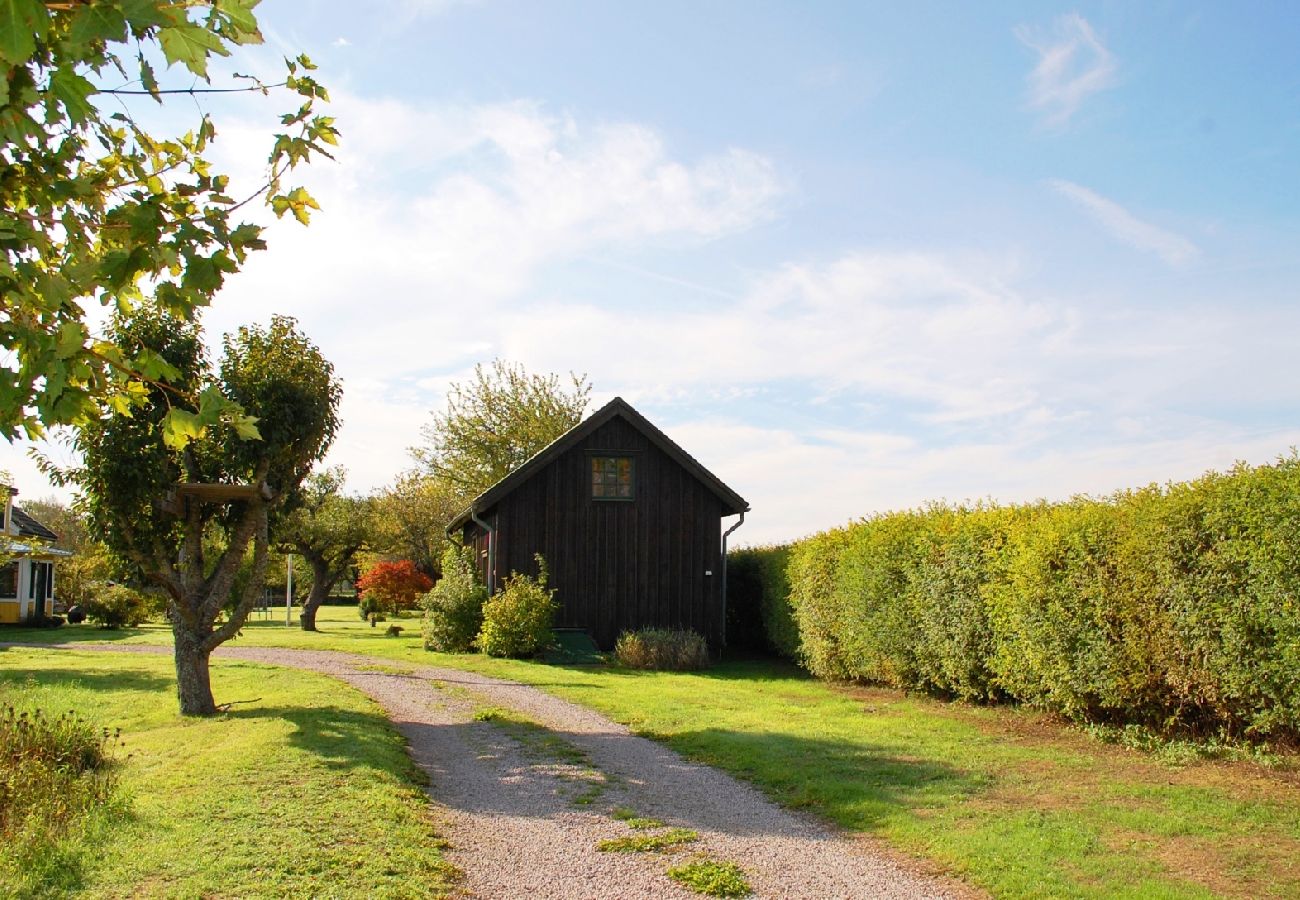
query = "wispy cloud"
{"x": 1073, "y": 64}
{"x": 1126, "y": 227}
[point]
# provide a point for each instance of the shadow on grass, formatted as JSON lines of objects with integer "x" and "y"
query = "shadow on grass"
{"x": 854, "y": 784}
{"x": 343, "y": 739}
{"x": 115, "y": 680}
{"x": 858, "y": 785}
{"x": 755, "y": 668}
{"x": 68, "y": 634}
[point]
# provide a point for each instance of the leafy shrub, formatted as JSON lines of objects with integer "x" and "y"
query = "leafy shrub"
{"x": 1171, "y": 607}
{"x": 517, "y": 621}
{"x": 453, "y": 610}
{"x": 368, "y": 608}
{"x": 661, "y": 648}
{"x": 116, "y": 605}
{"x": 55, "y": 774}
{"x": 391, "y": 587}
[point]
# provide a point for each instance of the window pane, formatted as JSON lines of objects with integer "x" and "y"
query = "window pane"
{"x": 612, "y": 477}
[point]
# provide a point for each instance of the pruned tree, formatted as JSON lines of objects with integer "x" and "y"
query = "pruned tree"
{"x": 185, "y": 516}
{"x": 327, "y": 529}
{"x": 493, "y": 424}
{"x": 93, "y": 206}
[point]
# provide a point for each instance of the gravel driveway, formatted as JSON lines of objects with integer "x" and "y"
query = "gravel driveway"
{"x": 524, "y": 808}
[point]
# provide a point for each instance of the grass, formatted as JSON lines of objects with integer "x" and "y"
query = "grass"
{"x": 1006, "y": 799}
{"x": 649, "y": 843}
{"x": 712, "y": 877}
{"x": 305, "y": 790}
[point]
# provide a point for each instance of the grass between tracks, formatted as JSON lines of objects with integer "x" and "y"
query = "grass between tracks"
{"x": 303, "y": 789}
{"x": 1006, "y": 799}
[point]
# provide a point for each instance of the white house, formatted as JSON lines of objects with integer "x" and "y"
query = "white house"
{"x": 27, "y": 579}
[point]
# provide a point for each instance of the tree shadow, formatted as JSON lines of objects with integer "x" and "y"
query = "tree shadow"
{"x": 343, "y": 739}
{"x": 68, "y": 634}
{"x": 115, "y": 680}
{"x": 854, "y": 784}
{"x": 755, "y": 668}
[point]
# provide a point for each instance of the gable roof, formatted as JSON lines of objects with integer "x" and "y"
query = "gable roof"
{"x": 732, "y": 502}
{"x": 30, "y": 527}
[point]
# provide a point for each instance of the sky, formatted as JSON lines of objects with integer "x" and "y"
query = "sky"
{"x": 852, "y": 257}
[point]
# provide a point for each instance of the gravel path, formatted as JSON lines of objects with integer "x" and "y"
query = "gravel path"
{"x": 524, "y": 818}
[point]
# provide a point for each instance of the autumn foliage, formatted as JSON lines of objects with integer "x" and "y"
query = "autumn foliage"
{"x": 392, "y": 586}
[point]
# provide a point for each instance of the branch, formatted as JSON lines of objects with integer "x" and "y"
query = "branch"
{"x": 237, "y": 618}
{"x": 243, "y": 90}
{"x": 216, "y": 588}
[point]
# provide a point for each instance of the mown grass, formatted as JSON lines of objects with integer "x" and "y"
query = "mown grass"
{"x": 303, "y": 790}
{"x": 1006, "y": 799}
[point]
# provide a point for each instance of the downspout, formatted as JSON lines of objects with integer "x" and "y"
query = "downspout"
{"x": 492, "y": 549}
{"x": 726, "y": 534}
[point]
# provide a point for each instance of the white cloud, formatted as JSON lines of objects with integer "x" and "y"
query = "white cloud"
{"x": 341, "y": 42}
{"x": 436, "y": 218}
{"x": 1073, "y": 65}
{"x": 914, "y": 328}
{"x": 1126, "y": 227}
{"x": 797, "y": 485}
{"x": 821, "y": 391}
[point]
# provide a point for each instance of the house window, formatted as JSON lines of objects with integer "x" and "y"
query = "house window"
{"x": 9, "y": 580}
{"x": 612, "y": 478}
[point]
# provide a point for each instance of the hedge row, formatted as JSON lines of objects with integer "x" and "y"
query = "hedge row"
{"x": 1174, "y": 607}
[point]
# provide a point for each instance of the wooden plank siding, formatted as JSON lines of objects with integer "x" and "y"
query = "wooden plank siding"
{"x": 615, "y": 564}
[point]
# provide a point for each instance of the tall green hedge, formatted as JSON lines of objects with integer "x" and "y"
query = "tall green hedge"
{"x": 1175, "y": 607}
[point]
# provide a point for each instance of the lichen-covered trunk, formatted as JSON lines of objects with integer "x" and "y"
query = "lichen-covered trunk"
{"x": 193, "y": 683}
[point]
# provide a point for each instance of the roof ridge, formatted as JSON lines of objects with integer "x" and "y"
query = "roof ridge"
{"x": 615, "y": 406}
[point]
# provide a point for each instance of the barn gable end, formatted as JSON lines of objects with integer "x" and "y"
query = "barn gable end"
{"x": 653, "y": 558}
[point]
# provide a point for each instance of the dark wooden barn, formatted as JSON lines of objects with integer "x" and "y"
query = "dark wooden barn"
{"x": 630, "y": 526}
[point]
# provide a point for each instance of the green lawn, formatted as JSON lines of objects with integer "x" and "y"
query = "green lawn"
{"x": 302, "y": 790}
{"x": 1003, "y": 798}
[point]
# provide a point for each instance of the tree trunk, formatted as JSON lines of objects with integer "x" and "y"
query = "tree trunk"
{"x": 320, "y": 589}
{"x": 321, "y": 584}
{"x": 193, "y": 684}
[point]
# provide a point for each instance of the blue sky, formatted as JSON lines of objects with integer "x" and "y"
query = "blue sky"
{"x": 853, "y": 258}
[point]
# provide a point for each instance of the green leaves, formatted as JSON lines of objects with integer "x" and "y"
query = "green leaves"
{"x": 494, "y": 424}
{"x": 180, "y": 426}
{"x": 297, "y": 201}
{"x": 190, "y": 45}
{"x": 95, "y": 209}
{"x": 97, "y": 22}
{"x": 72, "y": 91}
{"x": 22, "y": 23}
